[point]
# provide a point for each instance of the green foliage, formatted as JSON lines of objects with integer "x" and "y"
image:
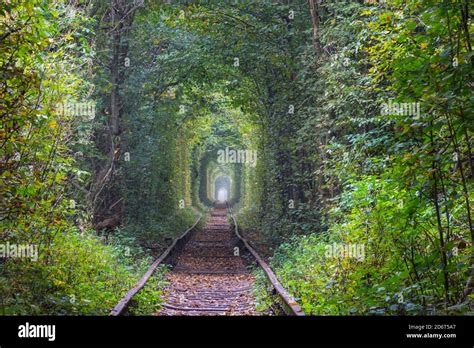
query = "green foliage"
{"x": 399, "y": 273}
{"x": 76, "y": 274}
{"x": 42, "y": 49}
{"x": 332, "y": 166}
{"x": 401, "y": 185}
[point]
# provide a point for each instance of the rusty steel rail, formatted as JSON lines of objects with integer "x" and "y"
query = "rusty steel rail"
{"x": 290, "y": 302}
{"x": 167, "y": 254}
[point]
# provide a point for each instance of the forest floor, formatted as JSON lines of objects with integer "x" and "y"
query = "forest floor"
{"x": 210, "y": 276}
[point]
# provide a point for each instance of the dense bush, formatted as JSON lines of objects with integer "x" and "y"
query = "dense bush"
{"x": 76, "y": 274}
{"x": 400, "y": 271}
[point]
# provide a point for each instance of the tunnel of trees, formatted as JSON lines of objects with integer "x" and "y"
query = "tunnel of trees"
{"x": 321, "y": 122}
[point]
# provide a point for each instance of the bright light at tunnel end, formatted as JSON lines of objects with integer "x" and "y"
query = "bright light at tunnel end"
{"x": 222, "y": 195}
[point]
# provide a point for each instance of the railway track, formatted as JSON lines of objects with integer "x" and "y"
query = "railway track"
{"x": 210, "y": 273}
{"x": 210, "y": 276}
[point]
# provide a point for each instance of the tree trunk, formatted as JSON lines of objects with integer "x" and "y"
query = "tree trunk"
{"x": 313, "y": 10}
